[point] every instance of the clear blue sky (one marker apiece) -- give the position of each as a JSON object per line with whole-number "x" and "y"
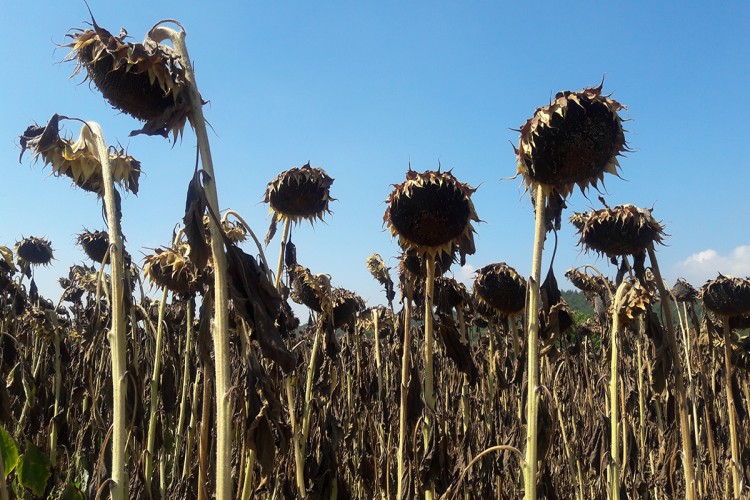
{"x": 361, "y": 89}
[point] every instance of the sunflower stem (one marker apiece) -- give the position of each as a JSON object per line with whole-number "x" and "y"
{"x": 687, "y": 448}
{"x": 735, "y": 464}
{"x": 299, "y": 456}
{"x": 429, "y": 392}
{"x": 532, "y": 401}
{"x": 378, "y": 366}
{"x": 308, "y": 391}
{"x": 119, "y": 490}
{"x": 280, "y": 266}
{"x": 185, "y": 387}
{"x": 58, "y": 387}
{"x": 154, "y": 394}
{"x": 404, "y": 392}
{"x": 221, "y": 302}
{"x": 614, "y": 465}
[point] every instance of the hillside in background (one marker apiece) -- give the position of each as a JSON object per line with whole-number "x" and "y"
{"x": 578, "y": 302}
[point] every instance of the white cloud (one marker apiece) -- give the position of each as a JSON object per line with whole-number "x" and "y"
{"x": 465, "y": 275}
{"x": 707, "y": 264}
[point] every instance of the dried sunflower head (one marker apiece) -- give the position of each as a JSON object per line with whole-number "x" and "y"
{"x": 300, "y": 193}
{"x": 385, "y": 320}
{"x": 309, "y": 289}
{"x": 590, "y": 284}
{"x": 500, "y": 287}
{"x": 623, "y": 230}
{"x": 234, "y": 230}
{"x": 412, "y": 265}
{"x": 431, "y": 213}
{"x": 380, "y": 272}
{"x": 171, "y": 269}
{"x": 145, "y": 80}
{"x": 6, "y": 260}
{"x": 684, "y": 291}
{"x": 346, "y": 305}
{"x": 85, "y": 277}
{"x": 449, "y": 294}
{"x": 727, "y": 296}
{"x": 34, "y": 251}
{"x": 633, "y": 299}
{"x": 76, "y": 159}
{"x": 572, "y": 141}
{"x": 485, "y": 313}
{"x": 94, "y": 243}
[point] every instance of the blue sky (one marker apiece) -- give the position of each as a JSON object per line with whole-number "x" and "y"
{"x": 362, "y": 89}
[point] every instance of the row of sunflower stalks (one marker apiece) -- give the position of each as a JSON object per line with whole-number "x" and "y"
{"x": 354, "y": 417}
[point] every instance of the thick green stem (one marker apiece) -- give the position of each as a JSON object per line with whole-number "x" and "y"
{"x": 532, "y": 376}
{"x": 404, "y": 392}
{"x": 119, "y": 490}
{"x": 154, "y": 394}
{"x": 221, "y": 302}
{"x": 735, "y": 466}
{"x": 687, "y": 448}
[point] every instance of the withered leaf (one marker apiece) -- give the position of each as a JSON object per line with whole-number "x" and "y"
{"x": 195, "y": 208}
{"x": 271, "y": 231}
{"x": 262, "y": 443}
{"x": 458, "y": 352}
{"x": 259, "y": 304}
{"x": 40, "y": 138}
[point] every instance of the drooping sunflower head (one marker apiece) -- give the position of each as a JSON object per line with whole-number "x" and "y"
{"x": 431, "y": 213}
{"x": 94, "y": 243}
{"x": 500, "y": 287}
{"x": 145, "y": 80}
{"x": 634, "y": 299}
{"x": 365, "y": 320}
{"x": 482, "y": 313}
{"x": 412, "y": 264}
{"x": 170, "y": 268}
{"x": 300, "y": 193}
{"x": 572, "y": 141}
{"x": 34, "y": 251}
{"x": 309, "y": 289}
{"x": 234, "y": 230}
{"x": 346, "y": 305}
{"x": 585, "y": 282}
{"x": 449, "y": 294}
{"x": 76, "y": 159}
{"x": 727, "y": 296}
{"x": 380, "y": 272}
{"x": 85, "y": 278}
{"x": 623, "y": 230}
{"x": 684, "y": 291}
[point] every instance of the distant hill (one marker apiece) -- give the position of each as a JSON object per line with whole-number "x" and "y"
{"x": 578, "y": 302}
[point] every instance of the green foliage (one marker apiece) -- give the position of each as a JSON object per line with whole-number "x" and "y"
{"x": 578, "y": 302}
{"x": 34, "y": 470}
{"x": 71, "y": 493}
{"x": 8, "y": 451}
